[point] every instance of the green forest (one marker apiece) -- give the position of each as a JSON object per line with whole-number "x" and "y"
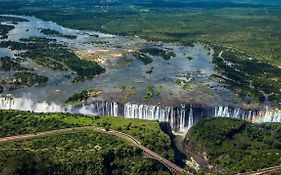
{"x": 252, "y": 27}
{"x": 84, "y": 152}
{"x": 62, "y": 153}
{"x": 234, "y": 146}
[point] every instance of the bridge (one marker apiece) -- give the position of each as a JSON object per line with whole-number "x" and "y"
{"x": 151, "y": 154}
{"x": 147, "y": 152}
{"x": 270, "y": 170}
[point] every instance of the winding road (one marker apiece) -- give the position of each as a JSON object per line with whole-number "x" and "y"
{"x": 149, "y": 153}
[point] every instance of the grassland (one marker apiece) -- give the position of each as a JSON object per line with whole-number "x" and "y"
{"x": 148, "y": 132}
{"x": 234, "y": 146}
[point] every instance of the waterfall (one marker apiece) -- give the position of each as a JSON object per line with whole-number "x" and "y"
{"x": 190, "y": 118}
{"x": 238, "y": 113}
{"x": 97, "y": 109}
{"x": 180, "y": 118}
{"x": 270, "y": 115}
{"x": 28, "y": 105}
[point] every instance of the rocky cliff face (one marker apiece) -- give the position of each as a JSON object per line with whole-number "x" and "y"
{"x": 181, "y": 118}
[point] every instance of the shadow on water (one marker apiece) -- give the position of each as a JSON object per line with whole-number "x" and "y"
{"x": 179, "y": 158}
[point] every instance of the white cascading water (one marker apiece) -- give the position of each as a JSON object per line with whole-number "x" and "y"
{"x": 97, "y": 109}
{"x": 239, "y": 113}
{"x": 182, "y": 118}
{"x": 270, "y": 115}
{"x": 177, "y": 117}
{"x": 190, "y": 118}
{"x": 28, "y": 105}
{"x": 148, "y": 112}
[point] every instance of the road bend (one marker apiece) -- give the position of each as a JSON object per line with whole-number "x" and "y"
{"x": 170, "y": 165}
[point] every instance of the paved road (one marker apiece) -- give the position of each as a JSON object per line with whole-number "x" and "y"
{"x": 147, "y": 151}
{"x": 269, "y": 170}
{"x": 127, "y": 137}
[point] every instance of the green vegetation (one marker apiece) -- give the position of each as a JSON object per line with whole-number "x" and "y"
{"x": 165, "y": 54}
{"x": 183, "y": 84}
{"x": 83, "y": 152}
{"x": 189, "y": 58}
{"x": 250, "y": 27}
{"x": 147, "y": 132}
{"x": 25, "y": 79}
{"x": 123, "y": 88}
{"x": 12, "y": 20}
{"x": 153, "y": 91}
{"x": 149, "y": 71}
{"x": 83, "y": 96}
{"x": 128, "y": 92}
{"x": 56, "y": 56}
{"x": 100, "y": 43}
{"x": 8, "y": 64}
{"x": 143, "y": 58}
{"x": 187, "y": 43}
{"x": 5, "y": 29}
{"x": 56, "y": 33}
{"x": 236, "y": 146}
{"x": 247, "y": 76}
{"x": 158, "y": 90}
{"x": 15, "y": 123}
{"x": 149, "y": 92}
